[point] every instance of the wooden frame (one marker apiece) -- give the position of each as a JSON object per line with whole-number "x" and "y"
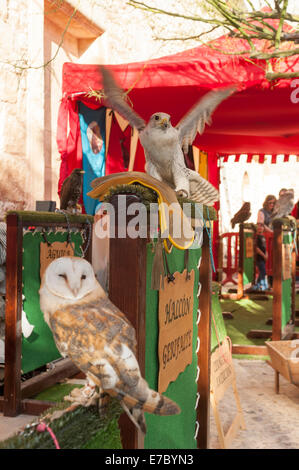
{"x": 127, "y": 287}
{"x": 241, "y": 292}
{"x": 16, "y": 393}
{"x": 222, "y": 378}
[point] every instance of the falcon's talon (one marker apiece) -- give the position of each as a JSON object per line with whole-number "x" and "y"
{"x": 182, "y": 193}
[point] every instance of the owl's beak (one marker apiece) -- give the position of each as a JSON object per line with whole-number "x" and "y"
{"x": 75, "y": 291}
{"x": 82, "y": 171}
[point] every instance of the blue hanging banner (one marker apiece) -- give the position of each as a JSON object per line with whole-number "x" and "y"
{"x": 93, "y": 136}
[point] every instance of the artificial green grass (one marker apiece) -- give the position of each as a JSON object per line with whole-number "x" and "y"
{"x": 82, "y": 428}
{"x": 249, "y": 314}
{"x": 56, "y": 393}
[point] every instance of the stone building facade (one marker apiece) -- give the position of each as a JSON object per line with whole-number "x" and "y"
{"x": 36, "y": 38}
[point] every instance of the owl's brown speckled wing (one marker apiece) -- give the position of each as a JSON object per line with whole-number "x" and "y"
{"x": 83, "y": 331}
{"x": 99, "y": 339}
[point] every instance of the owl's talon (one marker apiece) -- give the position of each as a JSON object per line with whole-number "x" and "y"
{"x": 85, "y": 396}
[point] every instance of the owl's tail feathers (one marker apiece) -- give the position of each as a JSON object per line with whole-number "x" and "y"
{"x": 201, "y": 190}
{"x": 233, "y": 222}
{"x": 154, "y": 403}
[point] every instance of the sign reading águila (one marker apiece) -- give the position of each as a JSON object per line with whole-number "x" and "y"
{"x": 51, "y": 252}
{"x": 175, "y": 328}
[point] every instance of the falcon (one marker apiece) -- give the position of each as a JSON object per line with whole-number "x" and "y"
{"x": 71, "y": 191}
{"x": 242, "y": 215}
{"x": 164, "y": 145}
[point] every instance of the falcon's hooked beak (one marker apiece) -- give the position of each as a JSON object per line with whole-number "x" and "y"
{"x": 164, "y": 123}
{"x": 82, "y": 171}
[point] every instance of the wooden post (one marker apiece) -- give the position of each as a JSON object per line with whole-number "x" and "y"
{"x": 241, "y": 262}
{"x": 204, "y": 353}
{"x": 277, "y": 282}
{"x": 293, "y": 304}
{"x": 127, "y": 287}
{"x": 13, "y": 334}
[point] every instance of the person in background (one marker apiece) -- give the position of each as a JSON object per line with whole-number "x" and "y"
{"x": 264, "y": 214}
{"x": 261, "y": 257}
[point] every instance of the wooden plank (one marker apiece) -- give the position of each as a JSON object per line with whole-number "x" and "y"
{"x": 251, "y": 349}
{"x": 35, "y": 407}
{"x": 259, "y": 334}
{"x": 277, "y": 283}
{"x": 29, "y": 407}
{"x": 127, "y": 287}
{"x": 217, "y": 421}
{"x": 13, "y": 313}
{"x": 204, "y": 353}
{"x": 233, "y": 430}
{"x": 62, "y": 369}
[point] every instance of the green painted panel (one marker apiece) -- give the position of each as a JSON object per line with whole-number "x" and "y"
{"x": 171, "y": 432}
{"x": 248, "y": 271}
{"x": 39, "y": 348}
{"x": 218, "y": 329}
{"x": 286, "y": 307}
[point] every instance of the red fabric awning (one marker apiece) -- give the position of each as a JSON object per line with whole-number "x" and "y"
{"x": 261, "y": 118}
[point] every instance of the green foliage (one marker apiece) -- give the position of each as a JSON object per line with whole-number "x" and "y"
{"x": 82, "y": 428}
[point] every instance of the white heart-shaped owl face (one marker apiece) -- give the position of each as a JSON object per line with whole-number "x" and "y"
{"x": 70, "y": 278}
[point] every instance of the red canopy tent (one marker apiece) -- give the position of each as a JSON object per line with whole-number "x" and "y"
{"x": 259, "y": 119}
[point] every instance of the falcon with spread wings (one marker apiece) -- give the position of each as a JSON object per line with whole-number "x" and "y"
{"x": 164, "y": 144}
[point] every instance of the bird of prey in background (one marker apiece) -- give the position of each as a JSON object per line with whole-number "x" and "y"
{"x": 284, "y": 205}
{"x": 71, "y": 191}
{"x": 164, "y": 144}
{"x": 242, "y": 215}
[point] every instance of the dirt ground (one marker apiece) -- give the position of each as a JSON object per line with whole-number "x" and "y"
{"x": 272, "y": 421}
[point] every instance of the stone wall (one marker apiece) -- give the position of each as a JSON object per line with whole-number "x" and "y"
{"x": 13, "y": 84}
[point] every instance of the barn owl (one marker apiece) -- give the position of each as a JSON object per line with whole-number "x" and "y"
{"x": 163, "y": 143}
{"x": 89, "y": 329}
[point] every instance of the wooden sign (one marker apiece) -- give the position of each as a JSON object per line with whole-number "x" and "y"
{"x": 286, "y": 261}
{"x": 222, "y": 372}
{"x": 175, "y": 328}
{"x": 249, "y": 247}
{"x": 222, "y": 377}
{"x": 53, "y": 251}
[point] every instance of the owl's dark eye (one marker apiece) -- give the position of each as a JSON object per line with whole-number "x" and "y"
{"x": 156, "y": 117}
{"x": 62, "y": 275}
{"x": 83, "y": 276}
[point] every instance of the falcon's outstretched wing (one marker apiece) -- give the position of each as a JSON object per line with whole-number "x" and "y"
{"x": 200, "y": 115}
{"x": 117, "y": 102}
